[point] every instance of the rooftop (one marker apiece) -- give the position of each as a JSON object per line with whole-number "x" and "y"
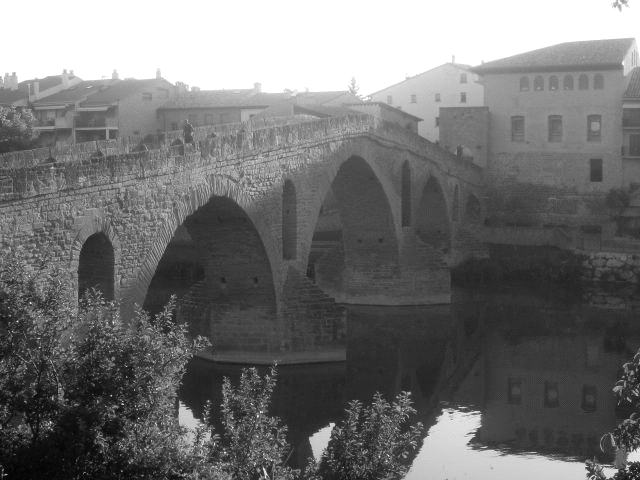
{"x": 121, "y": 89}
{"x": 460, "y": 66}
{"x": 584, "y": 55}
{"x": 74, "y": 94}
{"x": 633, "y": 88}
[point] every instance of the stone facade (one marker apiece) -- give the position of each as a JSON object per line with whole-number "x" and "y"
{"x": 218, "y": 205}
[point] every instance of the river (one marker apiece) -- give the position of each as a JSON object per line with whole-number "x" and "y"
{"x": 509, "y": 382}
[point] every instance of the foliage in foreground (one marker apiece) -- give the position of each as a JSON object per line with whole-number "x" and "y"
{"x": 626, "y": 436}
{"x": 85, "y": 395}
{"x": 16, "y": 129}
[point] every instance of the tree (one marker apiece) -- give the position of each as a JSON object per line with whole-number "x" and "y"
{"x": 353, "y": 86}
{"x": 620, "y": 3}
{"x": 16, "y": 129}
{"x": 626, "y": 436}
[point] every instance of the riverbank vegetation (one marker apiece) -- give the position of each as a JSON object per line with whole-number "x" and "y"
{"x": 85, "y": 394}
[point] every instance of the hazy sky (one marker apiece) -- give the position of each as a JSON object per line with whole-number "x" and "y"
{"x": 289, "y": 44}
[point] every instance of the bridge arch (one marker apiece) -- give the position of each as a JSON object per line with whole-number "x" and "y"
{"x": 406, "y": 194}
{"x": 473, "y": 209}
{"x": 216, "y": 254}
{"x": 289, "y": 221}
{"x": 432, "y": 216}
{"x": 455, "y": 204}
{"x": 95, "y": 258}
{"x": 354, "y": 240}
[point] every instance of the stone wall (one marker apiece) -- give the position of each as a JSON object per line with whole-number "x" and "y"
{"x": 612, "y": 267}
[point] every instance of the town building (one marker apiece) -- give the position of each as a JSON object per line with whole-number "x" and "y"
{"x": 556, "y": 116}
{"x": 448, "y": 85}
{"x": 124, "y": 108}
{"x": 55, "y": 114}
{"x": 20, "y": 94}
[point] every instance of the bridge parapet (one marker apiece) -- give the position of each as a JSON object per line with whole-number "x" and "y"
{"x": 87, "y": 165}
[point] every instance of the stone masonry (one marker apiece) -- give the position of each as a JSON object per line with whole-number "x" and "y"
{"x": 223, "y": 198}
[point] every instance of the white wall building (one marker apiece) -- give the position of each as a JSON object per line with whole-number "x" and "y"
{"x": 449, "y": 85}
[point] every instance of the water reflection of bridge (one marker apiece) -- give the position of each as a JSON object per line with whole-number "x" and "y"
{"x": 539, "y": 368}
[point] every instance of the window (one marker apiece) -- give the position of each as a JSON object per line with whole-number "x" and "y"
{"x": 146, "y": 96}
{"x": 538, "y": 83}
{"x": 594, "y": 128}
{"x": 598, "y": 81}
{"x": 595, "y": 169}
{"x": 524, "y": 84}
{"x": 463, "y": 78}
{"x": 551, "y": 394}
{"x": 437, "y": 97}
{"x": 389, "y": 99}
{"x": 414, "y": 98}
{"x": 437, "y": 121}
{"x": 555, "y": 128}
{"x": 514, "y": 391}
{"x": 634, "y": 145}
{"x": 583, "y": 82}
{"x": 567, "y": 83}
{"x": 517, "y": 129}
{"x": 589, "y": 395}
{"x": 553, "y": 82}
{"x": 463, "y": 97}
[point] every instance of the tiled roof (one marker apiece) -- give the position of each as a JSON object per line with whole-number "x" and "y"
{"x": 75, "y": 93}
{"x": 7, "y": 96}
{"x": 460, "y": 66}
{"x": 119, "y": 90}
{"x": 224, "y": 98}
{"x": 585, "y": 55}
{"x": 633, "y": 88}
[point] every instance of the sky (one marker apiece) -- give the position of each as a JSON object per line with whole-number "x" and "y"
{"x": 290, "y": 44}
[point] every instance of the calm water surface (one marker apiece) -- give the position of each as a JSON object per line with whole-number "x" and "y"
{"x": 509, "y": 383}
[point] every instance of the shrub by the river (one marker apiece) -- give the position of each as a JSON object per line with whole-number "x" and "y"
{"x": 626, "y": 436}
{"x": 86, "y": 395}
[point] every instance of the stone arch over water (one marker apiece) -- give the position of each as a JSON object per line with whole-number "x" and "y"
{"x": 432, "y": 216}
{"x": 217, "y": 264}
{"x": 354, "y": 244}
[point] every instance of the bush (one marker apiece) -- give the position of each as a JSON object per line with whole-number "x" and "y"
{"x": 626, "y": 436}
{"x": 86, "y": 395}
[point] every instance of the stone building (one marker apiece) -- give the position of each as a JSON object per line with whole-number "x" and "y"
{"x": 556, "y": 115}
{"x": 449, "y": 85}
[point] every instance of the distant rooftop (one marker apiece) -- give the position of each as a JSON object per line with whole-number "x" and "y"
{"x": 119, "y": 90}
{"x": 584, "y": 55}
{"x": 460, "y": 66}
{"x": 633, "y": 89}
{"x": 74, "y": 94}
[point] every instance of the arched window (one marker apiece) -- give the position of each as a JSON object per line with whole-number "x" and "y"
{"x": 553, "y": 82}
{"x": 524, "y": 84}
{"x": 96, "y": 266}
{"x": 289, "y": 221}
{"x": 583, "y": 82}
{"x": 598, "y": 81}
{"x": 406, "y": 194}
{"x": 538, "y": 83}
{"x": 455, "y": 207}
{"x": 567, "y": 83}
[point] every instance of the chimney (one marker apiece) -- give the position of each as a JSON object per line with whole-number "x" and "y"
{"x": 1, "y": 83}
{"x": 114, "y": 75}
{"x": 195, "y": 89}
{"x": 36, "y": 89}
{"x": 257, "y": 87}
{"x": 71, "y": 73}
{"x": 65, "y": 78}
{"x": 453, "y": 59}
{"x": 14, "y": 81}
{"x": 158, "y": 74}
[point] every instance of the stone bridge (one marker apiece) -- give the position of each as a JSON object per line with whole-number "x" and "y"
{"x": 262, "y": 233}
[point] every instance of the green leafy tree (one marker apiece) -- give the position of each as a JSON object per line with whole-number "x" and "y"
{"x": 353, "y": 86}
{"x": 372, "y": 443}
{"x": 83, "y": 393}
{"x": 626, "y": 436}
{"x": 16, "y": 129}
{"x": 620, "y": 3}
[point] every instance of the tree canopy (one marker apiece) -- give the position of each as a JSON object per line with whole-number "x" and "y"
{"x": 16, "y": 129}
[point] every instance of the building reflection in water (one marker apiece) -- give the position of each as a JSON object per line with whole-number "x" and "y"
{"x": 537, "y": 368}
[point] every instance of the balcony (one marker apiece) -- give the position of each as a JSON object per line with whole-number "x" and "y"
{"x": 53, "y": 123}
{"x": 96, "y": 122}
